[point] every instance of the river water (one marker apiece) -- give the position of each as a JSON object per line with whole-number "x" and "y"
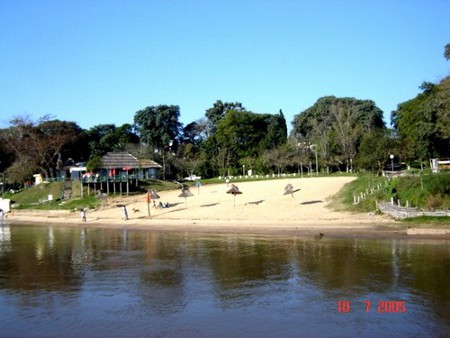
{"x": 68, "y": 282}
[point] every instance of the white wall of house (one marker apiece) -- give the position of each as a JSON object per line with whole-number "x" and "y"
{"x": 5, "y": 204}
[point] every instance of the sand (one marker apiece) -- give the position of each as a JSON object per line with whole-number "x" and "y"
{"x": 260, "y": 209}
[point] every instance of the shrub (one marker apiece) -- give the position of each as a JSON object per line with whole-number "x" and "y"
{"x": 433, "y": 202}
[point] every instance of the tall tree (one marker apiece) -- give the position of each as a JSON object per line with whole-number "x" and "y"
{"x": 276, "y": 130}
{"x": 195, "y": 132}
{"x": 443, "y": 114}
{"x": 423, "y": 123}
{"x": 218, "y": 111}
{"x": 336, "y": 126}
{"x": 444, "y": 99}
{"x": 158, "y": 125}
{"x": 321, "y": 141}
{"x": 278, "y": 158}
{"x": 375, "y": 149}
{"x": 247, "y": 134}
{"x": 39, "y": 143}
{"x": 189, "y": 159}
{"x": 347, "y": 130}
{"x": 107, "y": 137}
{"x": 299, "y": 152}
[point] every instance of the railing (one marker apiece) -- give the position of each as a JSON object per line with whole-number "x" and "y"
{"x": 399, "y": 212}
{"x": 97, "y": 179}
{"x": 104, "y": 179}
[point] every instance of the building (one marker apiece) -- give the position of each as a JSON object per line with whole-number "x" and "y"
{"x": 439, "y": 164}
{"x": 123, "y": 164}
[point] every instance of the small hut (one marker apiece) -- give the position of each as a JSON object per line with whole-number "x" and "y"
{"x": 123, "y": 164}
{"x": 119, "y": 168}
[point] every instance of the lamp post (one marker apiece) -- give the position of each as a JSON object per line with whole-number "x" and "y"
{"x": 313, "y": 148}
{"x": 317, "y": 163}
{"x": 243, "y": 170}
{"x": 163, "y": 150}
{"x": 3, "y": 175}
{"x": 163, "y": 162}
{"x": 3, "y": 182}
{"x": 300, "y": 147}
{"x": 392, "y": 162}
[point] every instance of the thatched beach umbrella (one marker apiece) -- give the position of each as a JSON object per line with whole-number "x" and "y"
{"x": 289, "y": 189}
{"x": 154, "y": 195}
{"x": 185, "y": 193}
{"x": 234, "y": 191}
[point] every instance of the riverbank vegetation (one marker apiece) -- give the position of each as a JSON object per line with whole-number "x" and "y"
{"x": 428, "y": 191}
{"x": 49, "y": 196}
{"x": 334, "y": 135}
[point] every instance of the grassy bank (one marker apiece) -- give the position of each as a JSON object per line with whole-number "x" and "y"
{"x": 428, "y": 192}
{"x": 37, "y": 197}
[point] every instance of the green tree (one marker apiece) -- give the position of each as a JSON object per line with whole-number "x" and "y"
{"x": 158, "y": 125}
{"x": 423, "y": 122}
{"x": 189, "y": 159}
{"x": 278, "y": 158}
{"x": 218, "y": 111}
{"x": 20, "y": 170}
{"x": 375, "y": 149}
{"x": 94, "y": 163}
{"x": 39, "y": 144}
{"x": 6, "y": 153}
{"x": 299, "y": 152}
{"x": 443, "y": 113}
{"x": 276, "y": 132}
{"x": 97, "y": 136}
{"x": 104, "y": 138}
{"x": 322, "y": 141}
{"x": 218, "y": 159}
{"x": 195, "y": 132}
{"x": 246, "y": 134}
{"x": 336, "y": 126}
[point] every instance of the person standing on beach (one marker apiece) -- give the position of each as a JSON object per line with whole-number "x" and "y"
{"x": 1, "y": 215}
{"x": 124, "y": 213}
{"x": 83, "y": 215}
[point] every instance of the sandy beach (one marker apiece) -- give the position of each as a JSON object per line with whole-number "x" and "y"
{"x": 262, "y": 208}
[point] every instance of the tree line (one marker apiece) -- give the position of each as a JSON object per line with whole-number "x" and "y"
{"x": 344, "y": 134}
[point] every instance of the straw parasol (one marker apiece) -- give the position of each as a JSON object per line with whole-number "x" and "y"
{"x": 234, "y": 191}
{"x": 289, "y": 189}
{"x": 185, "y": 193}
{"x": 154, "y": 195}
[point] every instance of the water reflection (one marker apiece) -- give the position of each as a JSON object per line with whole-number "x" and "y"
{"x": 5, "y": 239}
{"x": 172, "y": 283}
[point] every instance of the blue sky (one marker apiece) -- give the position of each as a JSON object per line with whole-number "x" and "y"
{"x": 97, "y": 62}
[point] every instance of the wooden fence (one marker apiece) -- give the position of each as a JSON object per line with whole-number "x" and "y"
{"x": 399, "y": 212}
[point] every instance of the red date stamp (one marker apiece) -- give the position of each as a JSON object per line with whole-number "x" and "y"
{"x": 382, "y": 306}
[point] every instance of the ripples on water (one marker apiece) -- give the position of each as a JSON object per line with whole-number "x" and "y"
{"x": 119, "y": 283}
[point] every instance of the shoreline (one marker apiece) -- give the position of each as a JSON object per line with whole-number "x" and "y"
{"x": 261, "y": 209}
{"x": 388, "y": 230}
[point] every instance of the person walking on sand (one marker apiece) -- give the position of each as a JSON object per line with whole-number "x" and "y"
{"x": 124, "y": 213}
{"x": 83, "y": 215}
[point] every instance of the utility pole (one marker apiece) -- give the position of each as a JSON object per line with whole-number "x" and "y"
{"x": 3, "y": 182}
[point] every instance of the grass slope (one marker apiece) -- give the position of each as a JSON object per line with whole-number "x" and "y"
{"x": 428, "y": 192}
